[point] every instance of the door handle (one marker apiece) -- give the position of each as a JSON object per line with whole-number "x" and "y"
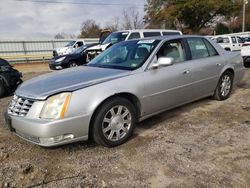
{"x": 218, "y": 64}
{"x": 186, "y": 72}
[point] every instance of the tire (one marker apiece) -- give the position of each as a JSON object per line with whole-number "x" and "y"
{"x": 73, "y": 64}
{"x": 224, "y": 87}
{"x": 113, "y": 122}
{"x": 2, "y": 89}
{"x": 246, "y": 62}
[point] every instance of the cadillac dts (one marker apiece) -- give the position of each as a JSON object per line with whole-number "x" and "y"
{"x": 127, "y": 83}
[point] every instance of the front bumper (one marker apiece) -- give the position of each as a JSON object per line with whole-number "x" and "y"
{"x": 58, "y": 65}
{"x": 55, "y": 67}
{"x": 50, "y": 133}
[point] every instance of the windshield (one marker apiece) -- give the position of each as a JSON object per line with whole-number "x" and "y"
{"x": 71, "y": 43}
{"x": 128, "y": 55}
{"x": 115, "y": 37}
{"x": 80, "y": 49}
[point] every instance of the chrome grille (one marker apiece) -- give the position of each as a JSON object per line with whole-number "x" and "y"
{"x": 19, "y": 106}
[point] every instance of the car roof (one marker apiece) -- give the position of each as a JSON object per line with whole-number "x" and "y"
{"x": 148, "y": 30}
{"x": 169, "y": 37}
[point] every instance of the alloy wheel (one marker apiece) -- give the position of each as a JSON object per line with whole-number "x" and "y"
{"x": 116, "y": 123}
{"x": 226, "y": 85}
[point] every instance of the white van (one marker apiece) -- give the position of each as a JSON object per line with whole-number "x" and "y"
{"x": 124, "y": 35}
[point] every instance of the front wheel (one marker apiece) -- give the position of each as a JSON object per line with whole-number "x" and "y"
{"x": 114, "y": 122}
{"x": 224, "y": 87}
{"x": 73, "y": 64}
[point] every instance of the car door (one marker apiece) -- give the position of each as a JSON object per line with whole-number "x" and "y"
{"x": 166, "y": 87}
{"x": 240, "y": 42}
{"x": 207, "y": 65}
{"x": 235, "y": 45}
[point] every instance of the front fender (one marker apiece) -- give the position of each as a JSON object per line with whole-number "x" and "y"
{"x": 85, "y": 101}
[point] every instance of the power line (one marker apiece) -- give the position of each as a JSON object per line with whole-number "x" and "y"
{"x": 81, "y": 3}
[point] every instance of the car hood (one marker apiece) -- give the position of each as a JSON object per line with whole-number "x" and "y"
{"x": 71, "y": 79}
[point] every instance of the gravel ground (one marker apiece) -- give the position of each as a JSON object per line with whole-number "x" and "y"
{"x": 203, "y": 144}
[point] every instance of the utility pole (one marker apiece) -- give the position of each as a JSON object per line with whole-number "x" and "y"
{"x": 244, "y": 15}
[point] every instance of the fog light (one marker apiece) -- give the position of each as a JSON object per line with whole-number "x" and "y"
{"x": 56, "y": 139}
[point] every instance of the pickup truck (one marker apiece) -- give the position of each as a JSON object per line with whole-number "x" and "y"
{"x": 229, "y": 43}
{"x": 118, "y": 36}
{"x": 68, "y": 48}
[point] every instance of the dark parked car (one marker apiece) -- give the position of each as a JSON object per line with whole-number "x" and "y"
{"x": 9, "y": 78}
{"x": 78, "y": 57}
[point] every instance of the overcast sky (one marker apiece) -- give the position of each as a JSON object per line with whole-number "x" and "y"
{"x": 34, "y": 19}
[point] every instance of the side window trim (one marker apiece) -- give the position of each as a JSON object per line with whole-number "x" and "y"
{"x": 207, "y": 42}
{"x": 187, "y": 49}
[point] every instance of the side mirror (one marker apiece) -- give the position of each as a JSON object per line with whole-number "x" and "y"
{"x": 163, "y": 61}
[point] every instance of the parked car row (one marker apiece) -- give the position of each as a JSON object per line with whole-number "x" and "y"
{"x": 130, "y": 81}
{"x": 86, "y": 53}
{"x": 235, "y": 43}
{"x": 75, "y": 44}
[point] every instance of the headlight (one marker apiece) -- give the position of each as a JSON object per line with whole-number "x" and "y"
{"x": 56, "y": 106}
{"x": 60, "y": 59}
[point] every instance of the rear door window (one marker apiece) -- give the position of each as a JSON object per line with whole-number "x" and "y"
{"x": 198, "y": 48}
{"x": 234, "y": 40}
{"x": 240, "y": 40}
{"x": 222, "y": 40}
{"x": 170, "y": 33}
{"x": 151, "y": 34}
{"x": 135, "y": 35}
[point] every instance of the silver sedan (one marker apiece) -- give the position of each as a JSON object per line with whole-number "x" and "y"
{"x": 129, "y": 82}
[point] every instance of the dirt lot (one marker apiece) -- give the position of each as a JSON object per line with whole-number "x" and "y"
{"x": 203, "y": 144}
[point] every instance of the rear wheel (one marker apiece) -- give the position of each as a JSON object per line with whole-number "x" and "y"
{"x": 114, "y": 122}
{"x": 246, "y": 62}
{"x": 73, "y": 64}
{"x": 2, "y": 89}
{"x": 224, "y": 87}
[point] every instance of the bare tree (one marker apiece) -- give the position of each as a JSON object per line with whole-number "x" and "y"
{"x": 132, "y": 19}
{"x": 113, "y": 25}
{"x": 64, "y": 36}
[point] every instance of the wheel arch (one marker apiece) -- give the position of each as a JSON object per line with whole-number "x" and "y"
{"x": 228, "y": 69}
{"x": 129, "y": 96}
